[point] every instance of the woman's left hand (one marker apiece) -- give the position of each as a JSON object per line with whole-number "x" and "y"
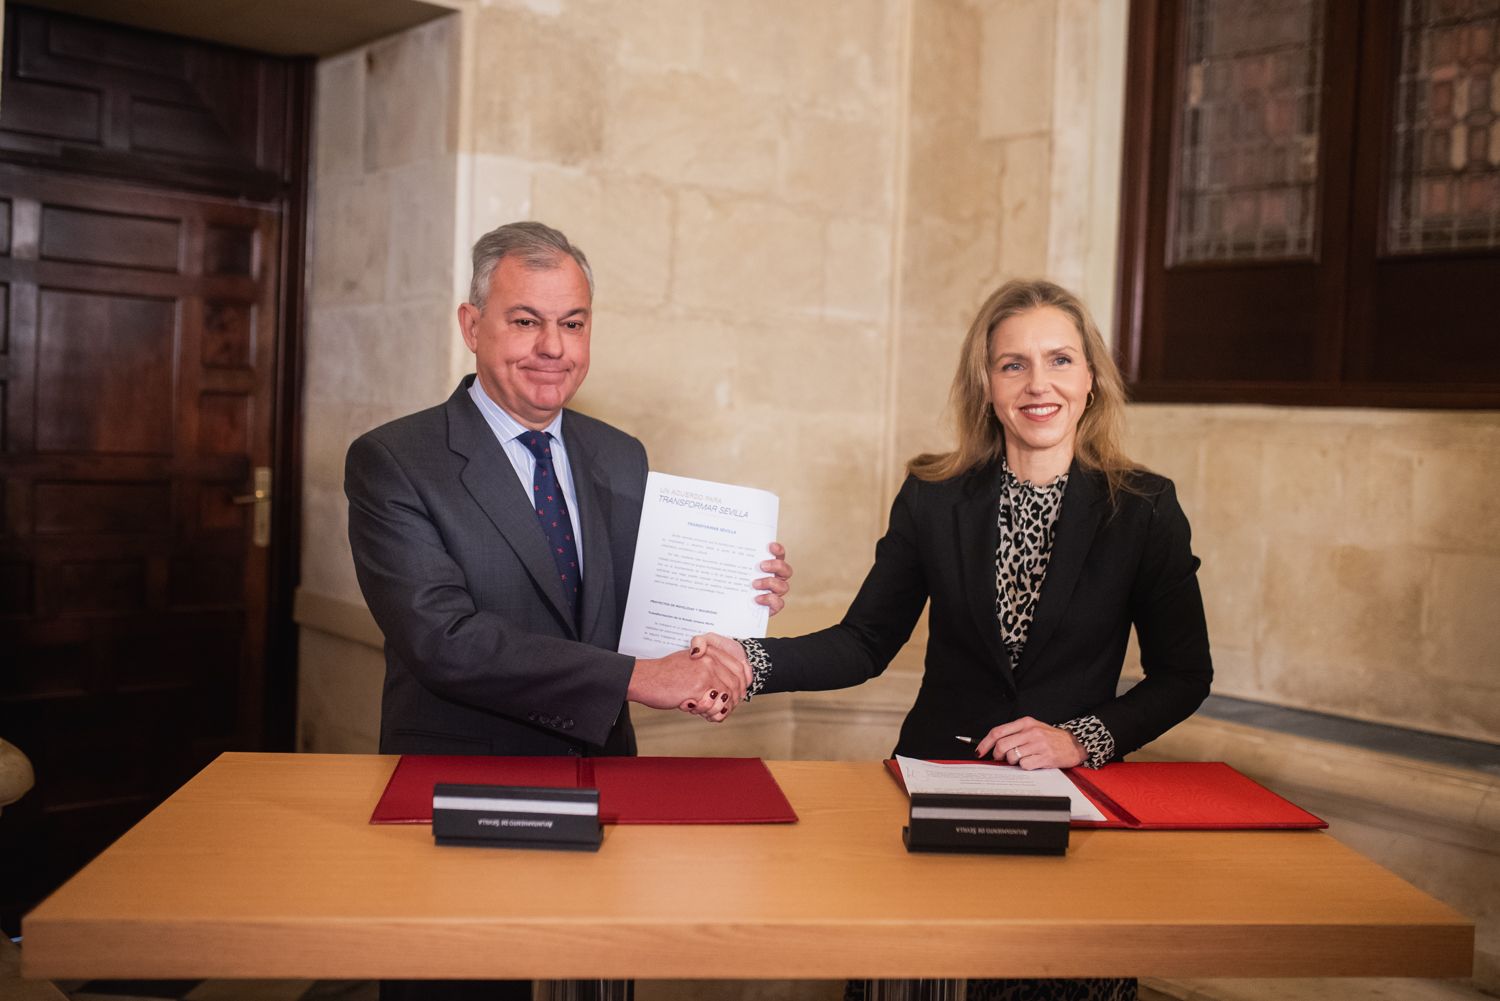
{"x": 1031, "y": 743}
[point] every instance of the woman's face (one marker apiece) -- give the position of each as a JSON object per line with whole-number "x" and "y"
{"x": 1039, "y": 385}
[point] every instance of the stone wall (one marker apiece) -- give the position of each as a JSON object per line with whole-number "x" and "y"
{"x": 793, "y": 213}
{"x": 730, "y": 169}
{"x": 380, "y": 329}
{"x": 1351, "y": 558}
{"x": 733, "y": 172}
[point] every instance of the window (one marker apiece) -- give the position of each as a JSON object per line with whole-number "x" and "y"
{"x": 1312, "y": 202}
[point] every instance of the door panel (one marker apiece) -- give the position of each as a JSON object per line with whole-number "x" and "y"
{"x": 135, "y": 600}
{"x": 102, "y": 97}
{"x": 139, "y": 374}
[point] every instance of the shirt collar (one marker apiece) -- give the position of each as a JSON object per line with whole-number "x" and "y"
{"x": 506, "y": 427}
{"x": 1014, "y": 484}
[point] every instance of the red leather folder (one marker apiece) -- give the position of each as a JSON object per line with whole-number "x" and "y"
{"x": 631, "y": 790}
{"x": 1186, "y": 796}
{"x": 1179, "y": 796}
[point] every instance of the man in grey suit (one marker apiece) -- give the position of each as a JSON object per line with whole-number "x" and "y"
{"x": 494, "y": 534}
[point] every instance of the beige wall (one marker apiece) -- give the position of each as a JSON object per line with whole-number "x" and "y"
{"x": 380, "y": 330}
{"x": 793, "y": 211}
{"x": 730, "y": 168}
{"x": 733, "y": 172}
{"x": 1351, "y": 558}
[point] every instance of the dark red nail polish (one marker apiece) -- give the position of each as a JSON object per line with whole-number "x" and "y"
{"x": 713, "y": 695}
{"x": 692, "y": 705}
{"x": 725, "y": 696}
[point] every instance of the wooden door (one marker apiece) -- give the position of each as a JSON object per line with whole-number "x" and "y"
{"x": 143, "y": 363}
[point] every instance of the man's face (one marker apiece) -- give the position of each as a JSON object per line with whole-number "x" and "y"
{"x": 531, "y": 342}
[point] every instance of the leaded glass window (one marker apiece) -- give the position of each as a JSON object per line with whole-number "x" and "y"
{"x": 1445, "y": 188}
{"x": 1245, "y": 186}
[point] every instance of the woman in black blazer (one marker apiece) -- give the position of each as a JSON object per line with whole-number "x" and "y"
{"x": 1038, "y": 545}
{"x": 1030, "y": 616}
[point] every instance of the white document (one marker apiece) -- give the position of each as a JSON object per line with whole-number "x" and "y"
{"x": 995, "y": 780}
{"x": 700, "y": 546}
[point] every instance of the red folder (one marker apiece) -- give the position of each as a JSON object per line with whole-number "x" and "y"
{"x": 631, "y": 790}
{"x": 1186, "y": 796}
{"x": 1179, "y": 796}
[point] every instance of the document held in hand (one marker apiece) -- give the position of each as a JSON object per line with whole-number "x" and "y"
{"x": 699, "y": 548}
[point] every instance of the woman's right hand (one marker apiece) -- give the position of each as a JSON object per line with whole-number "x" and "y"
{"x": 1032, "y": 744}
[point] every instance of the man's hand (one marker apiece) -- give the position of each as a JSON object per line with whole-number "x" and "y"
{"x": 777, "y": 585}
{"x": 1031, "y": 744}
{"x": 710, "y": 685}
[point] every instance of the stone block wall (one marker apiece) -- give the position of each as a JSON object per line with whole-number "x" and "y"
{"x": 380, "y": 329}
{"x": 730, "y": 169}
{"x": 1351, "y": 558}
{"x": 793, "y": 212}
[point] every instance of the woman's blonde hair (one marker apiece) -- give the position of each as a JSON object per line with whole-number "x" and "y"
{"x": 981, "y": 436}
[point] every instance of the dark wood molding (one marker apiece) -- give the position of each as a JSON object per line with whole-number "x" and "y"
{"x": 280, "y": 718}
{"x": 1140, "y": 76}
{"x": 1292, "y": 394}
{"x": 257, "y": 186}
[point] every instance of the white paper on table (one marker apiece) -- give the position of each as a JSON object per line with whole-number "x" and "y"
{"x": 699, "y": 548}
{"x": 995, "y": 780}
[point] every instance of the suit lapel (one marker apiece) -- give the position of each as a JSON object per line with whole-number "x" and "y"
{"x": 593, "y": 496}
{"x": 491, "y": 481}
{"x": 1083, "y": 510}
{"x": 978, "y": 535}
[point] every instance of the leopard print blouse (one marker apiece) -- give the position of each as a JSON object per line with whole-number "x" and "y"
{"x": 1028, "y": 513}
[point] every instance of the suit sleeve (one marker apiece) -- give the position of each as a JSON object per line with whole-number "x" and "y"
{"x": 475, "y": 657}
{"x": 1167, "y": 609}
{"x": 878, "y": 623}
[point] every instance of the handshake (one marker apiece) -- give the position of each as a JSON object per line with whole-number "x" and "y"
{"x": 711, "y": 677}
{"x": 708, "y": 679}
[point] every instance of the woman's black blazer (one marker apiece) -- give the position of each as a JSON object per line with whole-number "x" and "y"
{"x": 1113, "y": 565}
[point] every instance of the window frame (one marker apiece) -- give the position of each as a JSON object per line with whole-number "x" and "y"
{"x": 1355, "y": 151}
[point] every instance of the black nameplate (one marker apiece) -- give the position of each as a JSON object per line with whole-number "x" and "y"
{"x": 1019, "y": 825}
{"x": 516, "y": 817}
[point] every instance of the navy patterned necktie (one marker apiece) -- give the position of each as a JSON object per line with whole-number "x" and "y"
{"x": 552, "y": 511}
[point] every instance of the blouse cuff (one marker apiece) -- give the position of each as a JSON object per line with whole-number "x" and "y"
{"x": 1097, "y": 742}
{"x": 760, "y": 667}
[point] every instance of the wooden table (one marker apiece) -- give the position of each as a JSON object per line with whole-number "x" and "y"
{"x": 264, "y": 866}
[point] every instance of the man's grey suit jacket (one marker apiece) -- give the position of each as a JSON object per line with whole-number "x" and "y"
{"x": 481, "y": 654}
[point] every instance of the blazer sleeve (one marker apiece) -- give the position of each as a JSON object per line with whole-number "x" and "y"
{"x": 1167, "y": 610}
{"x": 878, "y": 622}
{"x": 476, "y": 657}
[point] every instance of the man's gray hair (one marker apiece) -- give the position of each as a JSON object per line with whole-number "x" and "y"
{"x": 537, "y": 245}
